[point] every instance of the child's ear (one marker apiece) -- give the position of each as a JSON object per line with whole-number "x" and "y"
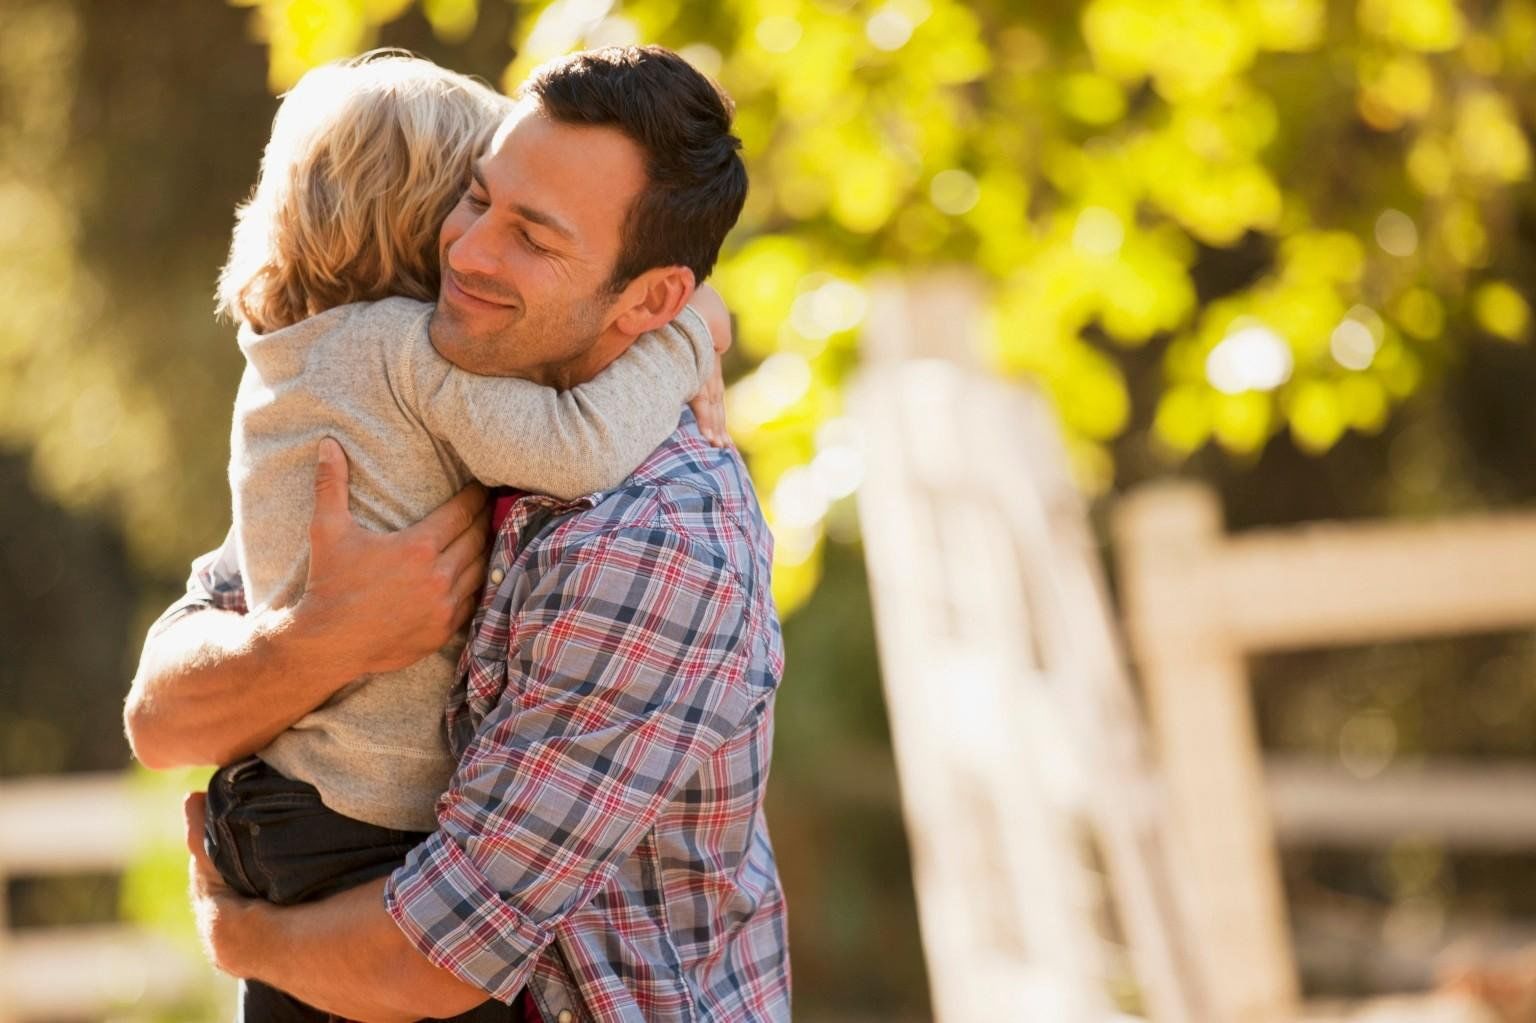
{"x": 654, "y": 299}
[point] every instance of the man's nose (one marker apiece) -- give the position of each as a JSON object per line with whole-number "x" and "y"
{"x": 475, "y": 251}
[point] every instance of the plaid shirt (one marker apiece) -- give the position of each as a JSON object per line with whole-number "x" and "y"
{"x": 602, "y": 842}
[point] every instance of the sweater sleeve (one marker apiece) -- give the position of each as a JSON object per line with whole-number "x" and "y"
{"x": 512, "y": 432}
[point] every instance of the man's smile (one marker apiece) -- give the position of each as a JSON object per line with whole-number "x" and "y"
{"x": 457, "y": 294}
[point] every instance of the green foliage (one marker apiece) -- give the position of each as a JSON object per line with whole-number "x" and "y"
{"x": 101, "y": 381}
{"x": 1106, "y": 170}
{"x": 1302, "y": 209}
{"x": 49, "y": 352}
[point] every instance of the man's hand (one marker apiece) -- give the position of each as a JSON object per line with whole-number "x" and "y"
{"x": 214, "y": 903}
{"x": 343, "y": 954}
{"x": 381, "y": 601}
{"x": 709, "y": 404}
{"x": 217, "y": 685}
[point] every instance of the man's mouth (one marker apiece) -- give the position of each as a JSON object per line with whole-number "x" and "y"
{"x": 457, "y": 294}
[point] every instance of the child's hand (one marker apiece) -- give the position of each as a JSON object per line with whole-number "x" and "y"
{"x": 709, "y": 404}
{"x": 709, "y": 409}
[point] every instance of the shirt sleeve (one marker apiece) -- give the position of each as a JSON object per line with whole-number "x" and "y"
{"x": 214, "y": 584}
{"x": 512, "y": 432}
{"x": 628, "y": 668}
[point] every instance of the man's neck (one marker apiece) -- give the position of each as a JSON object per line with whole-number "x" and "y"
{"x": 592, "y": 361}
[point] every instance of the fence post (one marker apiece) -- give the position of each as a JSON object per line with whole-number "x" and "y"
{"x": 1017, "y": 736}
{"x": 1168, "y": 538}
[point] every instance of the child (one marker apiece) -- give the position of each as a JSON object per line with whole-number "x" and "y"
{"x": 333, "y": 264}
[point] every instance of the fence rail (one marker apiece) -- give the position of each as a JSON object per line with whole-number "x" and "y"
{"x": 1485, "y": 807}
{"x": 1199, "y": 601}
{"x": 75, "y": 824}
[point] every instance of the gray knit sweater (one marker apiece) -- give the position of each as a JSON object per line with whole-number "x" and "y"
{"x": 415, "y": 429}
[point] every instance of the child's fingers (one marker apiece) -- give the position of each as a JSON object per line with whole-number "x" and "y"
{"x": 713, "y": 424}
{"x": 709, "y": 409}
{"x": 717, "y": 412}
{"x": 704, "y": 412}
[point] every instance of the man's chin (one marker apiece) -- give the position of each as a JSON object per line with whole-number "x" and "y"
{"x": 442, "y": 325}
{"x": 449, "y": 334}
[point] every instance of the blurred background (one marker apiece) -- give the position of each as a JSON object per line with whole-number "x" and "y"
{"x": 1284, "y": 247}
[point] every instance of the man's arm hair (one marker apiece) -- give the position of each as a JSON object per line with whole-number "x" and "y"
{"x": 214, "y": 685}
{"x": 342, "y": 954}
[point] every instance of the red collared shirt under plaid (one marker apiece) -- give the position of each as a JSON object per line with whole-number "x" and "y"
{"x": 603, "y": 842}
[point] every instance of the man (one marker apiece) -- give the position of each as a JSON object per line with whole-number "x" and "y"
{"x": 601, "y": 849}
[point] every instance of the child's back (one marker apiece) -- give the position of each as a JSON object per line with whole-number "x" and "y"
{"x": 415, "y": 430}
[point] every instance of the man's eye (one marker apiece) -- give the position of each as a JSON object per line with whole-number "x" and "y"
{"x": 528, "y": 241}
{"x": 478, "y": 202}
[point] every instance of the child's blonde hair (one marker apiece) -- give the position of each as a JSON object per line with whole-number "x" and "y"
{"x": 367, "y": 157}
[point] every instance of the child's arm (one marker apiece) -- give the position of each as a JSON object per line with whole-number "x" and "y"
{"x": 512, "y": 432}
{"x": 709, "y": 404}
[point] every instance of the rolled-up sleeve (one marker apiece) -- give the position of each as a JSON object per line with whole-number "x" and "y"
{"x": 627, "y": 668}
{"x": 213, "y": 585}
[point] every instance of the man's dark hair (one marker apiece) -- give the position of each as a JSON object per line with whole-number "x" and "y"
{"x": 696, "y": 183}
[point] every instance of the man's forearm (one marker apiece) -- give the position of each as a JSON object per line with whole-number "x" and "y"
{"x": 213, "y": 686}
{"x": 344, "y": 955}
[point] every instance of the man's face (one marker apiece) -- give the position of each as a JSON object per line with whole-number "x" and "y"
{"x": 528, "y": 251}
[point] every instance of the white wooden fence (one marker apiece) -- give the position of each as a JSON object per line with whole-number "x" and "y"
{"x": 75, "y": 824}
{"x": 1020, "y": 743}
{"x": 1198, "y": 602}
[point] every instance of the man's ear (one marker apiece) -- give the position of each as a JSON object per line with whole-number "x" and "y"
{"x": 653, "y": 299}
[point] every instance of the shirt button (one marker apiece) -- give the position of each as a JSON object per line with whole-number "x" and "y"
{"x": 497, "y": 575}
{"x": 565, "y": 1016}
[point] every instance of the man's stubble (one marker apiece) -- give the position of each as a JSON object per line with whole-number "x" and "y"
{"x": 533, "y": 347}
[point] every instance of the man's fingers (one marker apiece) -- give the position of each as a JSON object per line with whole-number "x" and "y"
{"x": 464, "y": 611}
{"x": 330, "y": 480}
{"x": 471, "y": 573}
{"x": 203, "y": 880}
{"x": 467, "y": 588}
{"x": 469, "y": 546}
{"x": 448, "y": 521}
{"x": 194, "y": 813}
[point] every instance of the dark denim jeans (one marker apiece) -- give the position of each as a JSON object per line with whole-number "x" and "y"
{"x": 272, "y": 838}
